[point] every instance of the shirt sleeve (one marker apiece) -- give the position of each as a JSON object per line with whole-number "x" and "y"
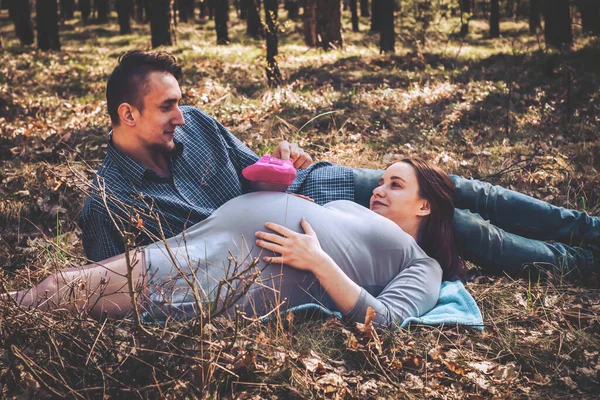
{"x": 101, "y": 239}
{"x": 412, "y": 293}
{"x": 240, "y": 154}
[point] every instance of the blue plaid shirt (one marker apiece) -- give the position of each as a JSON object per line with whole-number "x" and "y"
{"x": 206, "y": 172}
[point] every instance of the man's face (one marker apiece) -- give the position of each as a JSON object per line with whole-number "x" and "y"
{"x": 155, "y": 125}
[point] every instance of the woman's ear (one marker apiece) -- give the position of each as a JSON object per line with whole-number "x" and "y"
{"x": 126, "y": 111}
{"x": 425, "y": 209}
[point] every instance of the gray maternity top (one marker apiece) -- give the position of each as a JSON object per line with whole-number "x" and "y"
{"x": 396, "y": 276}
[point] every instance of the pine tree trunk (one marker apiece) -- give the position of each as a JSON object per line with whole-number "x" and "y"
{"x": 510, "y": 8}
{"x": 47, "y": 24}
{"x": 161, "y": 23}
{"x": 329, "y": 24}
{"x": 364, "y": 8}
{"x": 20, "y": 14}
{"x": 221, "y": 18}
{"x": 124, "y": 12}
{"x": 310, "y": 22}
{"x": 103, "y": 9}
{"x": 494, "y": 18}
{"x": 590, "y": 15}
{"x": 465, "y": 6}
{"x": 292, "y": 8}
{"x": 354, "y": 11}
{"x": 67, "y": 9}
{"x": 557, "y": 23}
{"x": 273, "y": 72}
{"x": 254, "y": 27}
{"x": 375, "y": 15}
{"x": 387, "y": 34}
{"x": 139, "y": 13}
{"x": 534, "y": 15}
{"x": 85, "y": 6}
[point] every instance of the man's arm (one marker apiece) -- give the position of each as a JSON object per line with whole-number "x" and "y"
{"x": 101, "y": 239}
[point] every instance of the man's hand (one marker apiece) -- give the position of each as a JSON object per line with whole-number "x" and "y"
{"x": 287, "y": 151}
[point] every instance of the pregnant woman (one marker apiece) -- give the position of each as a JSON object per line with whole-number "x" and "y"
{"x": 392, "y": 257}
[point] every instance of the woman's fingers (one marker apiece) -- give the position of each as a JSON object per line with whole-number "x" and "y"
{"x": 307, "y": 228}
{"x": 282, "y": 230}
{"x": 270, "y": 246}
{"x": 271, "y": 237}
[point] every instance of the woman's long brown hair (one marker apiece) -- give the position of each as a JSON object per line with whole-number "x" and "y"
{"x": 437, "y": 235}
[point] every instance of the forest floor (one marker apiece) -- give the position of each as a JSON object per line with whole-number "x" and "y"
{"x": 505, "y": 110}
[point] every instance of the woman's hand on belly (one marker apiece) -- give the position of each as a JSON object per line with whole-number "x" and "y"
{"x": 301, "y": 251}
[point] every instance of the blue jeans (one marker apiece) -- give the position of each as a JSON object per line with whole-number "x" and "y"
{"x": 505, "y": 231}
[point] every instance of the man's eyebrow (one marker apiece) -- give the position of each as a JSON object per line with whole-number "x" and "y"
{"x": 171, "y": 101}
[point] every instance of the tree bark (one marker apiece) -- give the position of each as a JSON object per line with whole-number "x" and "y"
{"x": 20, "y": 14}
{"x": 186, "y": 10}
{"x": 47, "y": 24}
{"x": 375, "y": 15}
{"x": 354, "y": 11}
{"x": 67, "y": 9}
{"x": 329, "y": 24}
{"x": 221, "y": 18}
{"x": 534, "y": 15}
{"x": 465, "y": 6}
{"x": 494, "y": 18}
{"x": 254, "y": 27}
{"x": 310, "y": 22}
{"x": 590, "y": 16}
{"x": 292, "y": 8}
{"x": 161, "y": 23}
{"x": 364, "y": 8}
{"x": 124, "y": 12}
{"x": 557, "y": 23}
{"x": 273, "y": 72}
{"x": 85, "y": 6}
{"x": 387, "y": 34}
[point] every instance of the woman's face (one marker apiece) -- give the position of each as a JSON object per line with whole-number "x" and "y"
{"x": 397, "y": 197}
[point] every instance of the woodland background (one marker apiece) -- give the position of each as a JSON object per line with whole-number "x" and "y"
{"x": 502, "y": 90}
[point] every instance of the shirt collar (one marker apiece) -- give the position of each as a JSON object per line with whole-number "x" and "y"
{"x": 131, "y": 169}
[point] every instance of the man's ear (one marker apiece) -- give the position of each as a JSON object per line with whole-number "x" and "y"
{"x": 424, "y": 209}
{"x": 126, "y": 114}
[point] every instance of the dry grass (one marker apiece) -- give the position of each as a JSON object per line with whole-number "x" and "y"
{"x": 506, "y": 109}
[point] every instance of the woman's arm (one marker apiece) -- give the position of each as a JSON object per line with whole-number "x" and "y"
{"x": 413, "y": 292}
{"x": 303, "y": 251}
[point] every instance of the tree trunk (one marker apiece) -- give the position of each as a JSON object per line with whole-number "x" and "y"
{"x": 85, "y": 6}
{"x": 273, "y": 72}
{"x": 329, "y": 24}
{"x": 310, "y": 22}
{"x": 590, "y": 15}
{"x": 161, "y": 23}
{"x": 494, "y": 18}
{"x": 534, "y": 15}
{"x": 292, "y": 8}
{"x": 47, "y": 24}
{"x": 103, "y": 9}
{"x": 124, "y": 12}
{"x": 186, "y": 10}
{"x": 354, "y": 11}
{"x": 67, "y": 9}
{"x": 557, "y": 23}
{"x": 375, "y": 15}
{"x": 254, "y": 27}
{"x": 387, "y": 34}
{"x": 221, "y": 18}
{"x": 510, "y": 8}
{"x": 364, "y": 8}
{"x": 20, "y": 14}
{"x": 465, "y": 6}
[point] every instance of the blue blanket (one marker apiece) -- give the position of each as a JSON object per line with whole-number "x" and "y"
{"x": 455, "y": 306}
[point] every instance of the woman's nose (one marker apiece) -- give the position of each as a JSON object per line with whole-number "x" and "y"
{"x": 378, "y": 191}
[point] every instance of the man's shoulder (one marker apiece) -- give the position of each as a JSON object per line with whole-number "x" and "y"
{"x": 195, "y": 113}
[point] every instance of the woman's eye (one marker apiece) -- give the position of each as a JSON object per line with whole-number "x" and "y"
{"x": 395, "y": 184}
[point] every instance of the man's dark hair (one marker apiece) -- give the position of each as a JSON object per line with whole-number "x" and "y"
{"x": 128, "y": 82}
